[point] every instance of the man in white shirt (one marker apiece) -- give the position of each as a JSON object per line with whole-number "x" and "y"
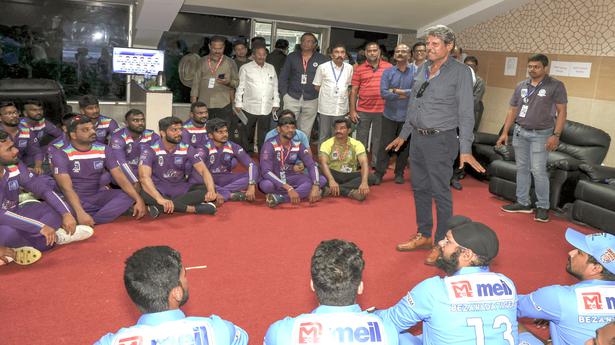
{"x": 332, "y": 80}
{"x": 257, "y": 95}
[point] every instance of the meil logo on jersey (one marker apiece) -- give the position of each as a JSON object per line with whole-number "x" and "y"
{"x": 596, "y": 300}
{"x": 478, "y": 288}
{"x": 314, "y": 333}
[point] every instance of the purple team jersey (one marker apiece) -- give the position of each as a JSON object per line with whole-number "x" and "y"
{"x": 220, "y": 160}
{"x": 277, "y": 161}
{"x": 170, "y": 170}
{"x": 16, "y": 177}
{"x": 27, "y": 144}
{"x": 85, "y": 168}
{"x": 39, "y": 129}
{"x": 193, "y": 135}
{"x": 105, "y": 127}
{"x": 127, "y": 150}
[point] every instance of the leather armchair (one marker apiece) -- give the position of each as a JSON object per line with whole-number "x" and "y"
{"x": 595, "y": 197}
{"x": 485, "y": 152}
{"x": 579, "y": 144}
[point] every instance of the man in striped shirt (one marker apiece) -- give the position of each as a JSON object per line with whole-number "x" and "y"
{"x": 367, "y": 111}
{"x": 35, "y": 224}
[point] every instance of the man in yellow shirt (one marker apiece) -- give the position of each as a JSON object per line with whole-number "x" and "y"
{"x": 340, "y": 156}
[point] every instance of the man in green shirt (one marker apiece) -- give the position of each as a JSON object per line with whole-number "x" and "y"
{"x": 340, "y": 156}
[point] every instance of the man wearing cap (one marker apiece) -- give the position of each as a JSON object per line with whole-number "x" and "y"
{"x": 575, "y": 312}
{"x": 471, "y": 305}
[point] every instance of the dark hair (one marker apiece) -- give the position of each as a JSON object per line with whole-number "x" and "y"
{"x": 240, "y": 43}
{"x": 87, "y": 100}
{"x": 372, "y": 43}
{"x": 217, "y": 38}
{"x": 197, "y": 104}
{"x": 76, "y": 121}
{"x": 34, "y": 102}
{"x": 337, "y": 268}
{"x": 258, "y": 45}
{"x": 338, "y": 45}
{"x": 281, "y": 44}
{"x": 309, "y": 34}
{"x": 286, "y": 120}
{"x": 168, "y": 121}
{"x": 287, "y": 113}
{"x": 149, "y": 276}
{"x": 345, "y": 121}
{"x": 471, "y": 58}
{"x": 543, "y": 59}
{"x": 132, "y": 112}
{"x": 606, "y": 274}
{"x": 216, "y": 124}
{"x": 417, "y": 44}
{"x": 68, "y": 117}
{"x": 260, "y": 39}
{"x": 4, "y": 104}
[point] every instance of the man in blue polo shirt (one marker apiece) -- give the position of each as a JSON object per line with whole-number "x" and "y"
{"x": 337, "y": 269}
{"x": 471, "y": 305}
{"x": 155, "y": 280}
{"x": 575, "y": 312}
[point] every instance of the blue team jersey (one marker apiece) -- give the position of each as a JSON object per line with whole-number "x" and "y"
{"x": 329, "y": 325}
{"x": 474, "y": 306}
{"x": 575, "y": 312}
{"x": 174, "y": 328}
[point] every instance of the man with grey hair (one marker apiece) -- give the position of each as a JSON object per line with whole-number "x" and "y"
{"x": 440, "y": 103}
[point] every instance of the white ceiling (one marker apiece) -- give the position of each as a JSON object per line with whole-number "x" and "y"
{"x": 408, "y": 15}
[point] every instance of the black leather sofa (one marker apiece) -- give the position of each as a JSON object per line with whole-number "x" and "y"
{"x": 579, "y": 144}
{"x": 595, "y": 197}
{"x": 48, "y": 91}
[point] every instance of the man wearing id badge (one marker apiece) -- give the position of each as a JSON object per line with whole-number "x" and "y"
{"x": 339, "y": 158}
{"x": 332, "y": 80}
{"x": 295, "y": 82}
{"x": 538, "y": 113}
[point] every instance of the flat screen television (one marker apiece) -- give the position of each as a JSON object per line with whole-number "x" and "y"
{"x": 137, "y": 61}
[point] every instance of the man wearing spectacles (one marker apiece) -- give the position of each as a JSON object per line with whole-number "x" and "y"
{"x": 471, "y": 305}
{"x": 22, "y": 137}
{"x": 419, "y": 55}
{"x": 440, "y": 103}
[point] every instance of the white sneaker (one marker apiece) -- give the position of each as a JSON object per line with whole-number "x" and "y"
{"x": 27, "y": 197}
{"x": 81, "y": 233}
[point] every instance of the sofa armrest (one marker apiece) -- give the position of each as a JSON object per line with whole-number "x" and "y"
{"x": 569, "y": 164}
{"x": 597, "y": 173}
{"x": 506, "y": 151}
{"x": 485, "y": 138}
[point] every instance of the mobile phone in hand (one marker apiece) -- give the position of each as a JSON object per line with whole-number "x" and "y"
{"x": 221, "y": 76}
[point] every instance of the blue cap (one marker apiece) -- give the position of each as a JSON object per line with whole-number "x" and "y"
{"x": 601, "y": 246}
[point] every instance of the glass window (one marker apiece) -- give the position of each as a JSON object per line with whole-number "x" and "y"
{"x": 67, "y": 41}
{"x": 263, "y": 30}
{"x": 293, "y": 37}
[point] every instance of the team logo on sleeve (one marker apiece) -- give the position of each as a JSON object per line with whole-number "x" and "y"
{"x": 596, "y": 304}
{"x": 13, "y": 185}
{"x": 338, "y": 328}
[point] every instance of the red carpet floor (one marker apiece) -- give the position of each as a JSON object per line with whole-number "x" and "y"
{"x": 258, "y": 262}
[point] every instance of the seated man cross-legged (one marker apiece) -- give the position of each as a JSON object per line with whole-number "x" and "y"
{"x": 279, "y": 180}
{"x": 339, "y": 157}
{"x": 164, "y": 169}
{"x": 79, "y": 167}
{"x": 219, "y": 156}
{"x": 337, "y": 272}
{"x": 32, "y": 223}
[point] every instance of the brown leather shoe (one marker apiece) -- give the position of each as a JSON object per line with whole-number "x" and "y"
{"x": 417, "y": 242}
{"x": 433, "y": 255}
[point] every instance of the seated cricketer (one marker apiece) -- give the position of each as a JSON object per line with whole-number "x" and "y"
{"x": 576, "y": 311}
{"x": 164, "y": 169}
{"x": 21, "y": 136}
{"x": 194, "y": 132}
{"x": 40, "y": 128}
{"x": 103, "y": 126}
{"x": 156, "y": 282}
{"x": 127, "y": 143}
{"x": 339, "y": 158}
{"x": 32, "y": 223}
{"x": 279, "y": 181}
{"x": 78, "y": 168}
{"x": 337, "y": 270}
{"x": 470, "y": 305}
{"x": 219, "y": 154}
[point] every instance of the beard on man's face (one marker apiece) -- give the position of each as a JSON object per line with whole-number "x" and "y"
{"x": 450, "y": 265}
